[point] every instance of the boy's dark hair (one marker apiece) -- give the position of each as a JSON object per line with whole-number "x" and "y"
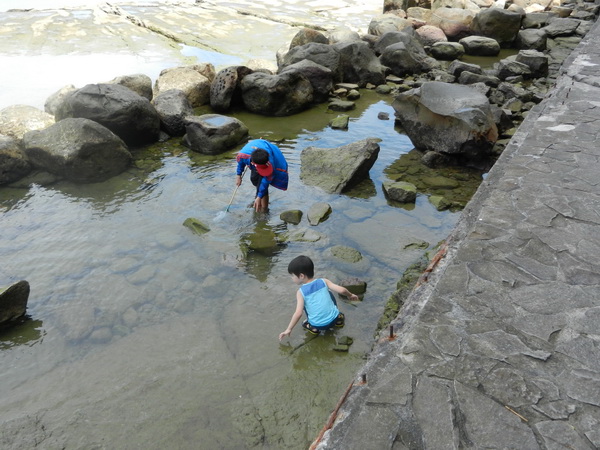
{"x": 259, "y": 156}
{"x": 301, "y": 265}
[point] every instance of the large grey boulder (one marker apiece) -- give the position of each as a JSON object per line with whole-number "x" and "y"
{"x": 480, "y": 46}
{"x": 408, "y": 37}
{"x": 447, "y": 51}
{"x": 499, "y": 24}
{"x": 337, "y": 169}
{"x": 55, "y": 99}
{"x": 359, "y": 64}
{"x": 429, "y": 35}
{"x": 127, "y": 114}
{"x": 457, "y": 67}
{"x": 320, "y": 77}
{"x": 173, "y": 107}
{"x": 213, "y": 134}
{"x": 561, "y": 27}
{"x": 14, "y": 164}
{"x": 225, "y": 89}
{"x": 16, "y": 120}
{"x": 322, "y": 54}
{"x": 77, "y": 149}
{"x": 537, "y": 62}
{"x": 447, "y": 118}
{"x": 307, "y": 35}
{"x": 403, "y": 59}
{"x": 454, "y": 22}
{"x": 13, "y": 301}
{"x": 194, "y": 80}
{"x": 343, "y": 34}
{"x": 277, "y": 95}
{"x": 531, "y": 39}
{"x": 139, "y": 83}
{"x": 510, "y": 67}
{"x": 384, "y": 23}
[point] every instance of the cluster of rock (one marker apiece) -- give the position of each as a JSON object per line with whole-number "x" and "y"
{"x": 85, "y": 135}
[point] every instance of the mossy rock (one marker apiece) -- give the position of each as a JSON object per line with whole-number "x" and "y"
{"x": 293, "y": 216}
{"x": 196, "y": 226}
{"x": 440, "y": 202}
{"x": 400, "y": 191}
{"x": 347, "y": 254}
{"x": 263, "y": 241}
{"x": 345, "y": 340}
{"x": 303, "y": 235}
{"x": 354, "y": 285}
{"x": 340, "y": 122}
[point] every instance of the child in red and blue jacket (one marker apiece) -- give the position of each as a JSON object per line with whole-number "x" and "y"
{"x": 268, "y": 167}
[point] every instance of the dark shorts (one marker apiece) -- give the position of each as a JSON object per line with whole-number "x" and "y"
{"x": 337, "y": 322}
{"x": 255, "y": 178}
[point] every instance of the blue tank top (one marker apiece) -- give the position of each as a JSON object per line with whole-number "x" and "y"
{"x": 319, "y": 303}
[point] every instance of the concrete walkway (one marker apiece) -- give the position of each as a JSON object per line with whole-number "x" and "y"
{"x": 500, "y": 348}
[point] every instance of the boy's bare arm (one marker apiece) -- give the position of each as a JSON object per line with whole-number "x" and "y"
{"x": 340, "y": 290}
{"x": 295, "y": 317}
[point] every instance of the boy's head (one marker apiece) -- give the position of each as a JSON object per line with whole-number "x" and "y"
{"x": 302, "y": 265}
{"x": 260, "y": 158}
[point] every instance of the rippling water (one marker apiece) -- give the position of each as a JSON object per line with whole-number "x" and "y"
{"x": 139, "y": 324}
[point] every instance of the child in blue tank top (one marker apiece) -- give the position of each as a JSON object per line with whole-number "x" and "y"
{"x": 315, "y": 299}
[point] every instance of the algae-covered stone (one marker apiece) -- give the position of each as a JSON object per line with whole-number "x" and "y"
{"x": 263, "y": 241}
{"x": 341, "y": 105}
{"x": 354, "y": 285}
{"x": 293, "y": 216}
{"x": 341, "y": 348}
{"x": 417, "y": 245}
{"x": 439, "y": 202}
{"x": 304, "y": 235}
{"x": 440, "y": 182}
{"x": 340, "y": 122}
{"x": 400, "y": 191}
{"x": 196, "y": 226}
{"x": 345, "y": 340}
{"x": 347, "y": 254}
{"x": 319, "y": 212}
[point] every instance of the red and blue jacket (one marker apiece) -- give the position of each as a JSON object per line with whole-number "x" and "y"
{"x": 278, "y": 179}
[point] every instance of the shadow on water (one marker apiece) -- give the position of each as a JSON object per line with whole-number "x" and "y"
{"x": 25, "y": 331}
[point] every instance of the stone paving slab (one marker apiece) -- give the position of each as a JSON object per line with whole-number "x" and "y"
{"x": 500, "y": 348}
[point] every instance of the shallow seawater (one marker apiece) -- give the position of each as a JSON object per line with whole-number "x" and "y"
{"x": 167, "y": 338}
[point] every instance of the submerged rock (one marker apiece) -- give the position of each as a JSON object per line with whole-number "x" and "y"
{"x": 196, "y": 225}
{"x": 347, "y": 254}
